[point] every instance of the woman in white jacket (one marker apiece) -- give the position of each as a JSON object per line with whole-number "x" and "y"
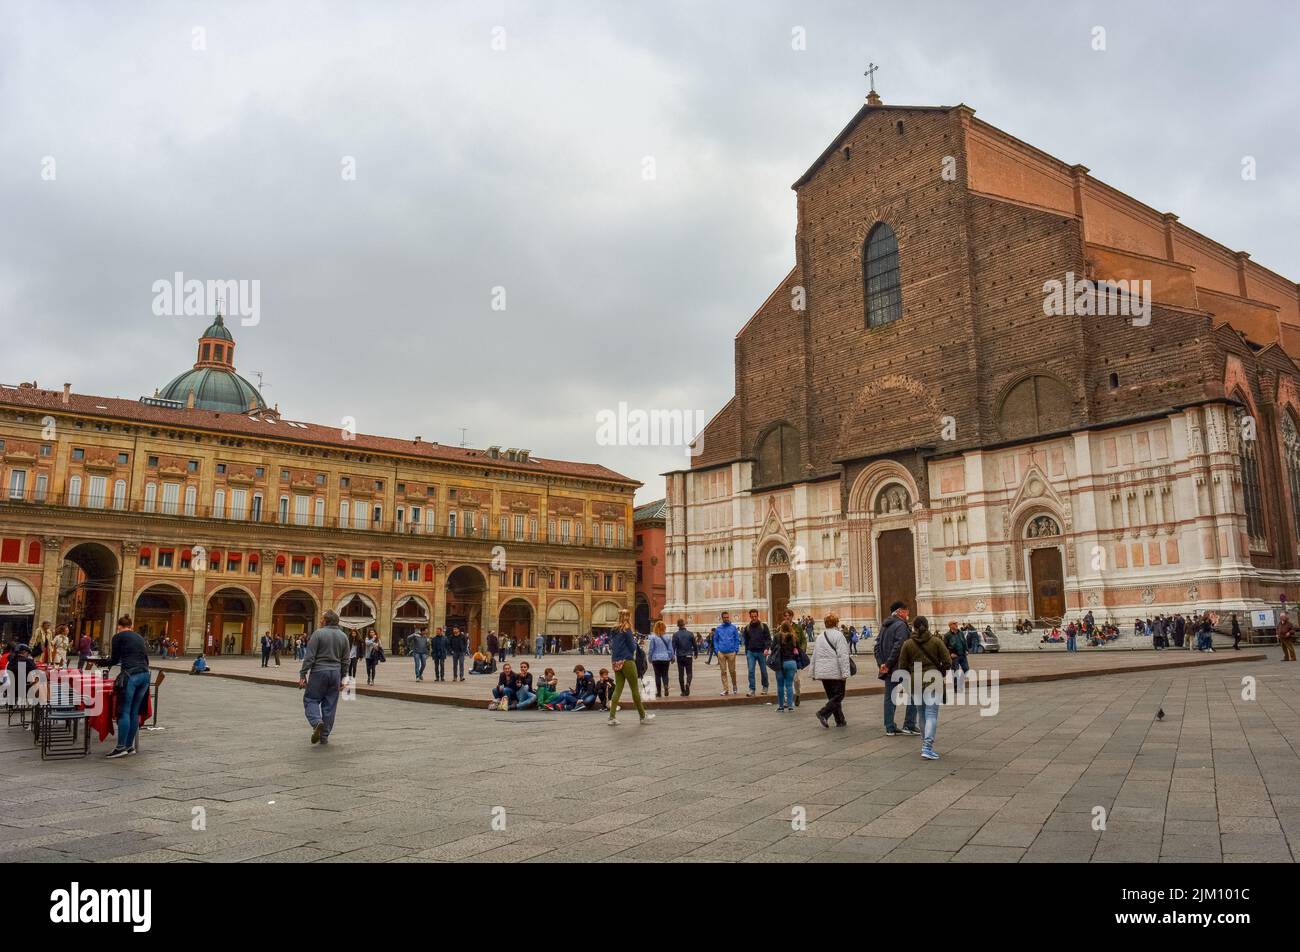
{"x": 830, "y": 666}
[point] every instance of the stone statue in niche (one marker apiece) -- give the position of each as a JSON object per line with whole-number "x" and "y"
{"x": 1042, "y": 527}
{"x": 893, "y": 500}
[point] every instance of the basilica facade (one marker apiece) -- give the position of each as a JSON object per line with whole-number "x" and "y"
{"x": 916, "y": 417}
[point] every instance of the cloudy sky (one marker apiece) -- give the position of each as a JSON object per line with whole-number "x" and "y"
{"x": 213, "y": 140}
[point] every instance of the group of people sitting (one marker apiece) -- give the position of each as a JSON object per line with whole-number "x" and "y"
{"x": 516, "y": 691}
{"x": 1096, "y": 635}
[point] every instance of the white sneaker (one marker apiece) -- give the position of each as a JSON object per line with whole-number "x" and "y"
{"x": 648, "y": 717}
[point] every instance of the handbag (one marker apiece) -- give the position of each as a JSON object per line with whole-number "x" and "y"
{"x": 774, "y": 660}
{"x": 802, "y": 660}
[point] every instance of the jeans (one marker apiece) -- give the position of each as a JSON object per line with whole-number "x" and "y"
{"x": 661, "y": 677}
{"x": 458, "y": 666}
{"x": 785, "y": 683}
{"x": 1071, "y": 644}
{"x": 752, "y": 658}
{"x": 128, "y": 710}
{"x": 626, "y": 675}
{"x": 439, "y": 668}
{"x": 909, "y": 718}
{"x": 321, "y": 700}
{"x": 537, "y": 650}
{"x": 685, "y": 674}
{"x": 524, "y": 698}
{"x": 834, "y": 698}
{"x": 421, "y": 659}
{"x": 500, "y": 692}
{"x": 931, "y": 726}
{"x": 960, "y": 666}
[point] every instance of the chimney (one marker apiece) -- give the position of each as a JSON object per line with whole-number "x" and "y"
{"x": 67, "y": 392}
{"x": 417, "y": 440}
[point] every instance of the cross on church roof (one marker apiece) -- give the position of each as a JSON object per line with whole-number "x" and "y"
{"x": 872, "y": 98}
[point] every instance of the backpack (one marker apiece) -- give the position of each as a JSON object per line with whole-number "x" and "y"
{"x": 641, "y": 662}
{"x": 878, "y": 649}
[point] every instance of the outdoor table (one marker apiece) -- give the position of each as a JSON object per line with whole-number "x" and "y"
{"x": 95, "y": 693}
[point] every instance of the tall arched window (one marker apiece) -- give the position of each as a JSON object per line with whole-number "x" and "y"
{"x": 778, "y": 456}
{"x": 1291, "y": 453}
{"x": 880, "y": 277}
{"x": 1250, "y": 485}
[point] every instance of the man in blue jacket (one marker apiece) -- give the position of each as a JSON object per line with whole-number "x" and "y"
{"x": 889, "y": 643}
{"x": 726, "y": 642}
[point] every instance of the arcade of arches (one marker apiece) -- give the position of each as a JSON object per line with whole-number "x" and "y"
{"x": 220, "y": 612}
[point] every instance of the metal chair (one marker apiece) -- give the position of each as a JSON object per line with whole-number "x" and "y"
{"x": 61, "y": 724}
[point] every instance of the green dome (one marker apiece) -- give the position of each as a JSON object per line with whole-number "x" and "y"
{"x": 214, "y": 389}
{"x": 218, "y": 329}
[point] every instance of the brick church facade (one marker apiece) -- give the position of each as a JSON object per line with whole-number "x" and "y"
{"x": 909, "y": 422}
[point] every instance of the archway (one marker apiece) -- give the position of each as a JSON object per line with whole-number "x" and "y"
{"x": 293, "y": 615}
{"x": 896, "y": 561}
{"x": 410, "y": 615}
{"x": 516, "y": 622}
{"x": 88, "y": 583}
{"x": 230, "y": 617}
{"x": 642, "y": 622}
{"x": 160, "y": 612}
{"x": 603, "y": 618}
{"x": 17, "y": 611}
{"x": 1042, "y": 535}
{"x": 466, "y": 590}
{"x": 778, "y": 585}
{"x": 563, "y": 621}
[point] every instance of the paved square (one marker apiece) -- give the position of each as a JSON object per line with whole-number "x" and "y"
{"x": 1217, "y": 779}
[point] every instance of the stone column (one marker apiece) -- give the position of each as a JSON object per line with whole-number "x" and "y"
{"x": 384, "y": 623}
{"x": 492, "y": 603}
{"x": 439, "y": 595}
{"x": 589, "y": 581}
{"x": 198, "y": 614}
{"x": 265, "y": 603}
{"x": 329, "y": 561}
{"x": 126, "y": 582}
{"x": 47, "y": 599}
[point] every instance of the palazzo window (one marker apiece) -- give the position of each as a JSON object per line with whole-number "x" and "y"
{"x": 777, "y": 456}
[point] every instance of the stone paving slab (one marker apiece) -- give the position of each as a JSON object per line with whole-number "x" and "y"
{"x": 396, "y": 678}
{"x": 1215, "y": 780}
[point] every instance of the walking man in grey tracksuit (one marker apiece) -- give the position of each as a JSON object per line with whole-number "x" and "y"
{"x": 323, "y": 666}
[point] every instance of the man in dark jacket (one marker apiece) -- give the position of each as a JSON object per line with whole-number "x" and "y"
{"x": 758, "y": 638}
{"x": 458, "y": 646}
{"x": 889, "y": 643}
{"x": 493, "y": 646}
{"x": 1236, "y": 633}
{"x": 418, "y": 647}
{"x": 955, "y": 642}
{"x": 687, "y": 650}
{"x": 438, "y": 651}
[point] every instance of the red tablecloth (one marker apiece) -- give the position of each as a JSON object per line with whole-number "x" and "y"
{"x": 96, "y": 694}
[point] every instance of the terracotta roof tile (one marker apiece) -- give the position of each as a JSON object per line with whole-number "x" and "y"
{"x": 243, "y": 424}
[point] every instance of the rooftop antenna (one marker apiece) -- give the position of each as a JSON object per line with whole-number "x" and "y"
{"x": 258, "y": 375}
{"x": 462, "y": 435}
